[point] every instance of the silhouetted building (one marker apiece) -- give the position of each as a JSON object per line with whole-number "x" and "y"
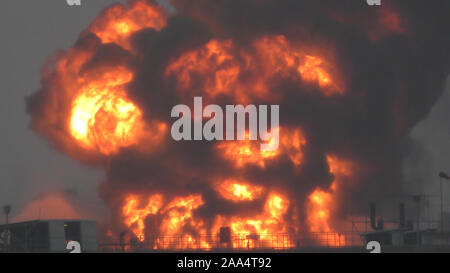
{"x": 48, "y": 236}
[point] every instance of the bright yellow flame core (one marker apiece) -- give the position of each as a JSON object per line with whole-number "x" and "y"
{"x": 238, "y": 191}
{"x": 102, "y": 116}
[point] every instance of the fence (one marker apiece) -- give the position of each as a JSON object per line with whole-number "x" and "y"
{"x": 211, "y": 242}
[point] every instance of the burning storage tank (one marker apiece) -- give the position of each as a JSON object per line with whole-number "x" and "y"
{"x": 351, "y": 81}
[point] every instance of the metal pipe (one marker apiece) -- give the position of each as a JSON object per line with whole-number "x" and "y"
{"x": 442, "y": 205}
{"x": 401, "y": 220}
{"x": 7, "y": 210}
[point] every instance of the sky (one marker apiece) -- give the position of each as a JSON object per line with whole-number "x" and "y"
{"x": 30, "y": 167}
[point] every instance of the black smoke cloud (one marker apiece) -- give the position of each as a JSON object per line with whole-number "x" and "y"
{"x": 393, "y": 78}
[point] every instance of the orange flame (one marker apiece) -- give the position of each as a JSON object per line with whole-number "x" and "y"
{"x": 238, "y": 191}
{"x": 311, "y": 70}
{"x": 135, "y": 216}
{"x": 217, "y": 66}
{"x": 212, "y": 62}
{"x": 321, "y": 204}
{"x": 177, "y": 215}
{"x": 178, "y": 219}
{"x": 245, "y": 152}
{"x": 102, "y": 116}
{"x": 258, "y": 231}
{"x": 286, "y": 59}
{"x": 118, "y": 22}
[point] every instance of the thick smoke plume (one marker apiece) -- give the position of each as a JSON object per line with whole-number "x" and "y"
{"x": 351, "y": 81}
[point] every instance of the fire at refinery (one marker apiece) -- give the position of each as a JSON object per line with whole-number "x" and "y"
{"x": 106, "y": 102}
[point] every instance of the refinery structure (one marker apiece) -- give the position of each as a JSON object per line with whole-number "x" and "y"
{"x": 407, "y": 232}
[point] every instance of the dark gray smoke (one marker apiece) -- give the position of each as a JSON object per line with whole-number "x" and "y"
{"x": 394, "y": 72}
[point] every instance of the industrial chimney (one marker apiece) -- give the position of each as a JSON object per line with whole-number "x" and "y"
{"x": 373, "y": 222}
{"x": 7, "y": 210}
{"x": 401, "y": 216}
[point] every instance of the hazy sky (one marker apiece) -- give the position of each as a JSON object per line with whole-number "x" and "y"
{"x": 30, "y": 31}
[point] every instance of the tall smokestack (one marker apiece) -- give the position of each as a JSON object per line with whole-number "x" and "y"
{"x": 7, "y": 210}
{"x": 225, "y": 236}
{"x": 373, "y": 217}
{"x": 401, "y": 217}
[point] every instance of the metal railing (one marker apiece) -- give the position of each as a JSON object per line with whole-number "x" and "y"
{"x": 211, "y": 242}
